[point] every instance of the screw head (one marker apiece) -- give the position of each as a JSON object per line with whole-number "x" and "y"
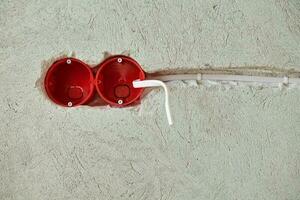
{"x": 120, "y": 102}
{"x": 69, "y": 61}
{"x": 120, "y": 60}
{"x": 70, "y": 104}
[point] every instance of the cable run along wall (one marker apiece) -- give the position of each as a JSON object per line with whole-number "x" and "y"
{"x": 120, "y": 81}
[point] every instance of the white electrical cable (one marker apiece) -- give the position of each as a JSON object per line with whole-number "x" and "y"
{"x": 156, "y": 83}
{"x": 177, "y": 77}
{"x": 212, "y": 77}
{"x": 227, "y": 77}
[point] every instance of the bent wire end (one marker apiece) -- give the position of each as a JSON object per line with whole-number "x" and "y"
{"x": 156, "y": 83}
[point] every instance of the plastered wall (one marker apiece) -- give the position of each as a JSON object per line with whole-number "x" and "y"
{"x": 227, "y": 142}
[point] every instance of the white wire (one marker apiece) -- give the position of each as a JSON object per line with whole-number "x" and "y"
{"x": 175, "y": 77}
{"x": 213, "y": 77}
{"x": 226, "y": 77}
{"x": 156, "y": 83}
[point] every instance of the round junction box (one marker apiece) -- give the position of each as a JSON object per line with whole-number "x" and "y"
{"x": 114, "y": 80}
{"x": 69, "y": 82}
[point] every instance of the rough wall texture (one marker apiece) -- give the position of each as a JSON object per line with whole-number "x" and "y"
{"x": 228, "y": 142}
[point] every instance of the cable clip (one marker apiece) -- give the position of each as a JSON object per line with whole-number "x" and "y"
{"x": 285, "y": 80}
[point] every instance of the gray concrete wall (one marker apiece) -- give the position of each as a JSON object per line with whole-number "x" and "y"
{"x": 227, "y": 142}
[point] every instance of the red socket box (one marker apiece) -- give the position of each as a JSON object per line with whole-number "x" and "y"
{"x": 71, "y": 82}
